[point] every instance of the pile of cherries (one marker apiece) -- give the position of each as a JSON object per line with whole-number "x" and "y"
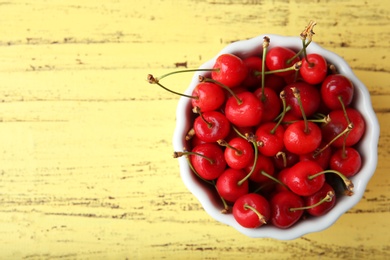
{"x": 274, "y": 134}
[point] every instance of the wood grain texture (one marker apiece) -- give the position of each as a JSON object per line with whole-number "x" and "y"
{"x": 86, "y": 169}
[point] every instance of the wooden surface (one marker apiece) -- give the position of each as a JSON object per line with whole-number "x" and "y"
{"x": 85, "y": 143}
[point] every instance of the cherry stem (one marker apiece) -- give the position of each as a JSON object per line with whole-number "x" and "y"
{"x": 318, "y": 120}
{"x": 186, "y": 153}
{"x": 332, "y": 68}
{"x": 308, "y": 32}
{"x": 226, "y": 144}
{"x": 197, "y": 111}
{"x": 344, "y": 132}
{"x": 305, "y": 45}
{"x": 231, "y": 92}
{"x": 226, "y": 207}
{"x": 296, "y": 74}
{"x": 284, "y": 158}
{"x": 311, "y": 65}
{"x": 348, "y": 183}
{"x": 251, "y": 138}
{"x": 181, "y": 71}
{"x": 190, "y": 134}
{"x": 266, "y": 41}
{"x": 295, "y": 67}
{"x": 274, "y": 179}
{"x": 320, "y": 115}
{"x": 297, "y": 95}
{"x": 261, "y": 217}
{"x": 349, "y": 123}
{"x": 344, "y": 109}
{"x": 179, "y": 154}
{"x": 306, "y": 36}
{"x": 153, "y": 80}
{"x": 238, "y": 132}
{"x": 344, "y": 153}
{"x": 328, "y": 198}
{"x": 281, "y": 115}
{"x": 282, "y": 96}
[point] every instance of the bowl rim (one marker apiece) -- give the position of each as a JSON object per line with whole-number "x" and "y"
{"x": 245, "y": 48}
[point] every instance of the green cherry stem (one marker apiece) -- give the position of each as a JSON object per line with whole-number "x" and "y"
{"x": 328, "y": 198}
{"x": 251, "y": 138}
{"x": 314, "y": 120}
{"x": 283, "y": 155}
{"x": 186, "y": 153}
{"x": 303, "y": 50}
{"x": 295, "y": 67}
{"x": 306, "y": 36}
{"x": 152, "y": 80}
{"x": 261, "y": 217}
{"x": 348, "y": 121}
{"x": 266, "y": 41}
{"x": 274, "y": 179}
{"x": 204, "y": 79}
{"x": 182, "y": 71}
{"x": 297, "y": 95}
{"x": 344, "y": 132}
{"x": 348, "y": 183}
{"x": 344, "y": 109}
{"x": 282, "y": 96}
{"x": 238, "y": 132}
{"x": 196, "y": 110}
{"x": 226, "y": 144}
{"x": 226, "y": 208}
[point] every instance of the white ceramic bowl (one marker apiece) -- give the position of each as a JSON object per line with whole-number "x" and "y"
{"x": 367, "y": 146}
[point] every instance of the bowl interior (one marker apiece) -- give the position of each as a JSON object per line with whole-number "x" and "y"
{"x": 367, "y": 146}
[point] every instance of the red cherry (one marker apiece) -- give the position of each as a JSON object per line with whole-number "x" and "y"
{"x": 300, "y": 178}
{"x": 263, "y": 164}
{"x": 322, "y": 157}
{"x": 211, "y": 126}
{"x": 281, "y": 204}
{"x": 270, "y": 138}
{"x": 251, "y": 210}
{"x": 208, "y": 160}
{"x": 333, "y": 88}
{"x": 238, "y": 153}
{"x": 301, "y": 140}
{"x": 229, "y": 70}
{"x": 347, "y": 161}
{"x": 242, "y": 130}
{"x": 196, "y": 141}
{"x": 247, "y": 112}
{"x": 210, "y": 96}
{"x": 282, "y": 177}
{"x": 309, "y": 95}
{"x": 285, "y": 159}
{"x": 254, "y": 65}
{"x": 325, "y": 205}
{"x": 271, "y": 103}
{"x": 229, "y": 184}
{"x": 274, "y": 82}
{"x": 338, "y": 123}
{"x": 314, "y": 68}
{"x": 280, "y": 58}
{"x": 289, "y": 118}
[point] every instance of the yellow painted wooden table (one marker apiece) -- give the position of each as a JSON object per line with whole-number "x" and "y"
{"x": 86, "y": 168}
